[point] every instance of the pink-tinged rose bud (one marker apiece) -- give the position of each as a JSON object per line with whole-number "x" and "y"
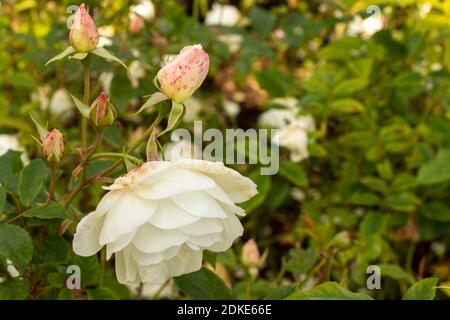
{"x": 53, "y": 145}
{"x": 83, "y": 33}
{"x": 102, "y": 111}
{"x": 136, "y": 23}
{"x": 250, "y": 254}
{"x": 179, "y": 78}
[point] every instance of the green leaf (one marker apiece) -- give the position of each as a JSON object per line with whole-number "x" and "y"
{"x": 294, "y": 173}
{"x": 14, "y": 289}
{"x": 90, "y": 269}
{"x": 51, "y": 210}
{"x": 10, "y": 164}
{"x": 348, "y": 87}
{"x": 203, "y": 285}
{"x": 81, "y": 106}
{"x": 31, "y": 181}
{"x": 2, "y": 198}
{"x": 375, "y": 184}
{"x": 102, "y": 52}
{"x": 54, "y": 249}
{"x": 281, "y": 292}
{"x": 422, "y": 290}
{"x": 155, "y": 98}
{"x": 264, "y": 183}
{"x": 436, "y": 211}
{"x": 328, "y": 291}
{"x": 404, "y": 202}
{"x": 395, "y": 272}
{"x": 40, "y": 128}
{"x": 262, "y": 21}
{"x": 363, "y": 199}
{"x": 210, "y": 257}
{"x": 101, "y": 293}
{"x": 175, "y": 116}
{"x": 16, "y": 245}
{"x": 65, "y": 53}
{"x": 346, "y": 106}
{"x": 435, "y": 171}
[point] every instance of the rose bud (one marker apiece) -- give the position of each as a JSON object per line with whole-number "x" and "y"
{"x": 136, "y": 23}
{"x": 53, "y": 145}
{"x": 102, "y": 111}
{"x": 179, "y": 78}
{"x": 250, "y": 254}
{"x": 83, "y": 33}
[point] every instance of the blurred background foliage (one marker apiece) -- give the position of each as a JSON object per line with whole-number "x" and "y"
{"x": 375, "y": 188}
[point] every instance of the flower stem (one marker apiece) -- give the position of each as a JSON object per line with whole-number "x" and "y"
{"x": 84, "y": 128}
{"x": 51, "y": 189}
{"x": 116, "y": 155}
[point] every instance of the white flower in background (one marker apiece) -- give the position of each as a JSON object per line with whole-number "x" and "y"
{"x": 145, "y": 9}
{"x": 294, "y": 128}
{"x": 181, "y": 150}
{"x": 294, "y": 137}
{"x": 222, "y": 15}
{"x": 105, "y": 80}
{"x": 297, "y": 194}
{"x": 61, "y": 103}
{"x": 41, "y": 95}
{"x": 365, "y": 27}
{"x": 231, "y": 108}
{"x": 277, "y": 118}
{"x": 159, "y": 218}
{"x": 11, "y": 269}
{"x": 11, "y": 142}
{"x": 233, "y": 41}
{"x": 136, "y": 72}
{"x": 424, "y": 9}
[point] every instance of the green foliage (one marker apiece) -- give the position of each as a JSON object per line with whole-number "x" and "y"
{"x": 203, "y": 284}
{"x": 422, "y": 290}
{"x": 374, "y": 188}
{"x": 328, "y": 291}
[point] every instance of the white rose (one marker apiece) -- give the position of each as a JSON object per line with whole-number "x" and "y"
{"x": 223, "y": 15}
{"x": 159, "y": 218}
{"x": 295, "y": 137}
{"x": 61, "y": 103}
{"x": 145, "y": 9}
{"x": 11, "y": 142}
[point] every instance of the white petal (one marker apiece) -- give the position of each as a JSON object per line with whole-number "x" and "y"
{"x": 150, "y": 239}
{"x": 220, "y": 195}
{"x": 143, "y": 258}
{"x": 199, "y": 203}
{"x": 185, "y": 262}
{"x": 125, "y": 216}
{"x": 170, "y": 216}
{"x": 119, "y": 244}
{"x": 108, "y": 201}
{"x": 86, "y": 239}
{"x": 175, "y": 181}
{"x": 238, "y": 188}
{"x": 232, "y": 230}
{"x": 207, "y": 240}
{"x": 203, "y": 226}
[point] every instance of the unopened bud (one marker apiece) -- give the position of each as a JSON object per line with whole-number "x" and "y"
{"x": 53, "y": 145}
{"x": 83, "y": 33}
{"x": 102, "y": 111}
{"x": 250, "y": 254}
{"x": 184, "y": 74}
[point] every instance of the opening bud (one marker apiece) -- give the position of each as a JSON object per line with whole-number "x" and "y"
{"x": 102, "y": 111}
